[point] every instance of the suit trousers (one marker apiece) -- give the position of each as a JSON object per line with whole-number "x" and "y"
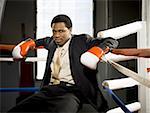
{"x": 51, "y": 99}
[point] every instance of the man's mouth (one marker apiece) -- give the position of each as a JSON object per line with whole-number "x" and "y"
{"x": 57, "y": 40}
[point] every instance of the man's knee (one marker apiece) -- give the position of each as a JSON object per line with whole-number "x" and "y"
{"x": 69, "y": 103}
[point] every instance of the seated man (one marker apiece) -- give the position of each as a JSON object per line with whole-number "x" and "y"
{"x": 67, "y": 83}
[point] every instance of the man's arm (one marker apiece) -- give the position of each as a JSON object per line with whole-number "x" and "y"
{"x": 95, "y": 53}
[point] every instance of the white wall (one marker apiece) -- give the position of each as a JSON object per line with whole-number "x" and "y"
{"x": 143, "y": 64}
{"x": 80, "y": 12}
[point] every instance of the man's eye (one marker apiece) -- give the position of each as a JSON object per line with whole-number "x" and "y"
{"x": 54, "y": 31}
{"x": 61, "y": 31}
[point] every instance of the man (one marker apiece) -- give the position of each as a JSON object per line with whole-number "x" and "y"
{"x": 67, "y": 84}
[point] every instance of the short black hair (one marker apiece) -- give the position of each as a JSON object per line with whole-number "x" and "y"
{"x": 62, "y": 18}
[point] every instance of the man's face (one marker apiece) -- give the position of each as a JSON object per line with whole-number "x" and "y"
{"x": 60, "y": 33}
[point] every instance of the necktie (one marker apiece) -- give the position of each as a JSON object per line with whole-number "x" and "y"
{"x": 56, "y": 67}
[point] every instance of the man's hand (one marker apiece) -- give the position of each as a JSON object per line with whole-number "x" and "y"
{"x": 95, "y": 54}
{"x": 92, "y": 57}
{"x": 21, "y": 50}
{"x": 109, "y": 42}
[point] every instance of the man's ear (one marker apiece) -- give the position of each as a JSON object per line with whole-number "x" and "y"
{"x": 70, "y": 29}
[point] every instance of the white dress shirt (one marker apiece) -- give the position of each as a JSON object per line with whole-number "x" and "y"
{"x": 65, "y": 72}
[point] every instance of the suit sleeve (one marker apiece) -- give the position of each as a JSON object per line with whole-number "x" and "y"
{"x": 43, "y": 43}
{"x": 102, "y": 42}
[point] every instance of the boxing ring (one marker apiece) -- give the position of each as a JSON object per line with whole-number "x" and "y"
{"x": 132, "y": 79}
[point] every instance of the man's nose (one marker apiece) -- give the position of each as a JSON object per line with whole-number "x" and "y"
{"x": 56, "y": 34}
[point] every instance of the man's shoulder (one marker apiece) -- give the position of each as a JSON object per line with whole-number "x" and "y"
{"x": 82, "y": 38}
{"x": 81, "y": 35}
{"x": 47, "y": 39}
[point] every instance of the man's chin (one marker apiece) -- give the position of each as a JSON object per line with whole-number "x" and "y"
{"x": 59, "y": 43}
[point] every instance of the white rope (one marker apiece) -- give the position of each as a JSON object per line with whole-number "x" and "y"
{"x": 120, "y": 83}
{"x": 121, "y": 31}
{"x": 132, "y": 107}
{"x": 120, "y": 68}
{"x": 111, "y": 56}
{"x": 128, "y": 72}
{"x": 28, "y": 59}
{"x": 117, "y": 58}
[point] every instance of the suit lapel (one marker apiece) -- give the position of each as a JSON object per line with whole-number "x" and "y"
{"x": 47, "y": 75}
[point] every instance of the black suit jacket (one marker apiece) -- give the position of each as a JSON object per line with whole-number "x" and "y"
{"x": 84, "y": 78}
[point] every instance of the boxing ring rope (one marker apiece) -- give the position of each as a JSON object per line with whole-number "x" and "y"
{"x": 123, "y": 83}
{"x": 135, "y": 106}
{"x": 28, "y": 59}
{"x": 22, "y": 89}
{"x": 25, "y": 89}
{"x": 120, "y": 83}
{"x": 119, "y": 102}
{"x": 111, "y": 56}
{"x": 121, "y": 31}
{"x": 110, "y": 85}
{"x": 115, "y": 84}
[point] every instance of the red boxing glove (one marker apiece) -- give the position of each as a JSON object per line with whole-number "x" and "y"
{"x": 21, "y": 50}
{"x": 92, "y": 57}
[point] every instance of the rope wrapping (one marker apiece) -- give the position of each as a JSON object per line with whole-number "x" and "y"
{"x": 118, "y": 101}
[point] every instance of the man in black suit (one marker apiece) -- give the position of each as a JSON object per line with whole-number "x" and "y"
{"x": 67, "y": 83}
